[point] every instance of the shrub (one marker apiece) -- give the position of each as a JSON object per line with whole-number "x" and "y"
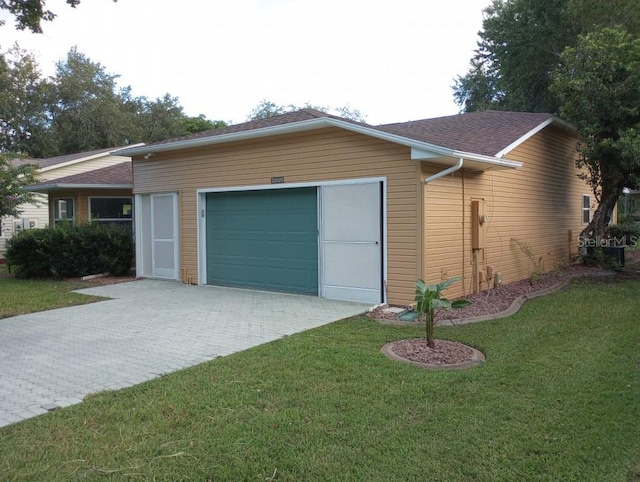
{"x": 628, "y": 233}
{"x": 69, "y": 250}
{"x": 28, "y": 253}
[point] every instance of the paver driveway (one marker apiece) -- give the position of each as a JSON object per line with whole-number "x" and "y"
{"x": 150, "y": 327}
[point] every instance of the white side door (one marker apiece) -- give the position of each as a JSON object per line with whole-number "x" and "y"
{"x": 164, "y": 236}
{"x": 351, "y": 242}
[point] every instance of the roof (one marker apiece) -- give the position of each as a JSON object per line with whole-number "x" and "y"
{"x": 278, "y": 120}
{"x": 57, "y": 161}
{"x": 118, "y": 176}
{"x": 488, "y": 133}
{"x": 484, "y": 138}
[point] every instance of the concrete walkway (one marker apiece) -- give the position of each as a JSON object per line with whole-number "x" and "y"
{"x": 55, "y": 358}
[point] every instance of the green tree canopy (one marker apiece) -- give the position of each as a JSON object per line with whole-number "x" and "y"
{"x": 23, "y": 121}
{"x": 80, "y": 108}
{"x": 29, "y": 14}
{"x": 15, "y": 173}
{"x": 267, "y": 109}
{"x": 520, "y": 45}
{"x": 192, "y": 125}
{"x": 87, "y": 109}
{"x": 598, "y": 87}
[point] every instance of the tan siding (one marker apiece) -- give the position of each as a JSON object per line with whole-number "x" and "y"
{"x": 536, "y": 204}
{"x": 38, "y": 212}
{"x": 56, "y": 172}
{"x": 322, "y": 155}
{"x": 81, "y": 200}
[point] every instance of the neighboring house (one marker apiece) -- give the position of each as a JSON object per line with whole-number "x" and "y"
{"x": 308, "y": 202}
{"x": 37, "y": 215}
{"x": 101, "y": 195}
{"x": 629, "y": 205}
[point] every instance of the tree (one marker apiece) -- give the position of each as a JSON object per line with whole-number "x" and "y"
{"x": 80, "y": 108}
{"x": 350, "y": 113}
{"x": 267, "y": 109}
{"x": 87, "y": 109}
{"x": 429, "y": 300}
{"x": 23, "y": 118}
{"x": 29, "y": 14}
{"x": 161, "y": 119}
{"x": 15, "y": 173}
{"x": 520, "y": 45}
{"x": 192, "y": 125}
{"x": 598, "y": 86}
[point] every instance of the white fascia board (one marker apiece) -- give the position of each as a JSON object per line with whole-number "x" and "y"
{"x": 489, "y": 161}
{"x": 551, "y": 120}
{"x": 284, "y": 129}
{"x": 75, "y": 161}
{"x": 419, "y": 150}
{"x": 58, "y": 187}
{"x": 88, "y": 158}
{"x": 224, "y": 138}
{"x": 479, "y": 161}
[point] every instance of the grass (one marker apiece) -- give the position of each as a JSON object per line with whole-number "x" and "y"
{"x": 18, "y": 297}
{"x": 557, "y": 399}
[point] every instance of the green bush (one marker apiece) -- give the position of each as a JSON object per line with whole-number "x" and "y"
{"x": 627, "y": 233}
{"x": 68, "y": 250}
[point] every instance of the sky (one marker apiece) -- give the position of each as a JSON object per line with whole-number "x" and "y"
{"x": 394, "y": 61}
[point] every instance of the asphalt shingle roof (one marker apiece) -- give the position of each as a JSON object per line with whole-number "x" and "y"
{"x": 288, "y": 118}
{"x": 486, "y": 133}
{"x": 118, "y": 174}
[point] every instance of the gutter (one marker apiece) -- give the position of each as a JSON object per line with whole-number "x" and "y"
{"x": 419, "y": 150}
{"x": 456, "y": 167}
{"x": 57, "y": 187}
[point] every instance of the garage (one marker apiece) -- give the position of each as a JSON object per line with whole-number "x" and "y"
{"x": 323, "y": 240}
{"x": 265, "y": 239}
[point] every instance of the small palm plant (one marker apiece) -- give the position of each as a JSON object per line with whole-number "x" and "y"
{"x": 429, "y": 300}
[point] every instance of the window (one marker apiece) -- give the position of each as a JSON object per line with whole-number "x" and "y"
{"x": 63, "y": 210}
{"x": 112, "y": 211}
{"x": 586, "y": 209}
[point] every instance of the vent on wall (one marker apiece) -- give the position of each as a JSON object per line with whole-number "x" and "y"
{"x": 25, "y": 223}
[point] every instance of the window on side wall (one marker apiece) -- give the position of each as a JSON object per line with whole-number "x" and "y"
{"x": 63, "y": 210}
{"x": 586, "y": 209}
{"x": 112, "y": 211}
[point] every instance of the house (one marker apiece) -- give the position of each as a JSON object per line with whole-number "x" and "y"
{"x": 307, "y": 202}
{"x": 101, "y": 195}
{"x": 629, "y": 205}
{"x": 42, "y": 214}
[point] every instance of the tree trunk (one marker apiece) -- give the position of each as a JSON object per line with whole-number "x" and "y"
{"x": 429, "y": 320}
{"x": 604, "y": 212}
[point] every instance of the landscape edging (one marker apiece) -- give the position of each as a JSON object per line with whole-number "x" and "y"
{"x": 476, "y": 359}
{"x": 520, "y": 300}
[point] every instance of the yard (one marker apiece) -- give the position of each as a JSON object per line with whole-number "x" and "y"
{"x": 18, "y": 297}
{"x": 557, "y": 399}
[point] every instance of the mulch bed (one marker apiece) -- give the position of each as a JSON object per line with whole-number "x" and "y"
{"x": 490, "y": 302}
{"x": 498, "y": 299}
{"x": 445, "y": 352}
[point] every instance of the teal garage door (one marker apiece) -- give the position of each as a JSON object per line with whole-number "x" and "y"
{"x": 263, "y": 239}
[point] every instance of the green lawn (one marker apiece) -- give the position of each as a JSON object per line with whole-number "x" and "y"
{"x": 18, "y": 297}
{"x": 557, "y": 399}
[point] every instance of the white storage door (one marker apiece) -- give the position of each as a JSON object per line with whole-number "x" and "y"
{"x": 164, "y": 234}
{"x": 351, "y": 242}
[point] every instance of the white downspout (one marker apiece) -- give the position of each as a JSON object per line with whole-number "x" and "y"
{"x": 449, "y": 170}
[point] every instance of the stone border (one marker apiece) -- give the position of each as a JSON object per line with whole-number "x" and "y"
{"x": 513, "y": 308}
{"x": 520, "y": 300}
{"x": 476, "y": 359}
